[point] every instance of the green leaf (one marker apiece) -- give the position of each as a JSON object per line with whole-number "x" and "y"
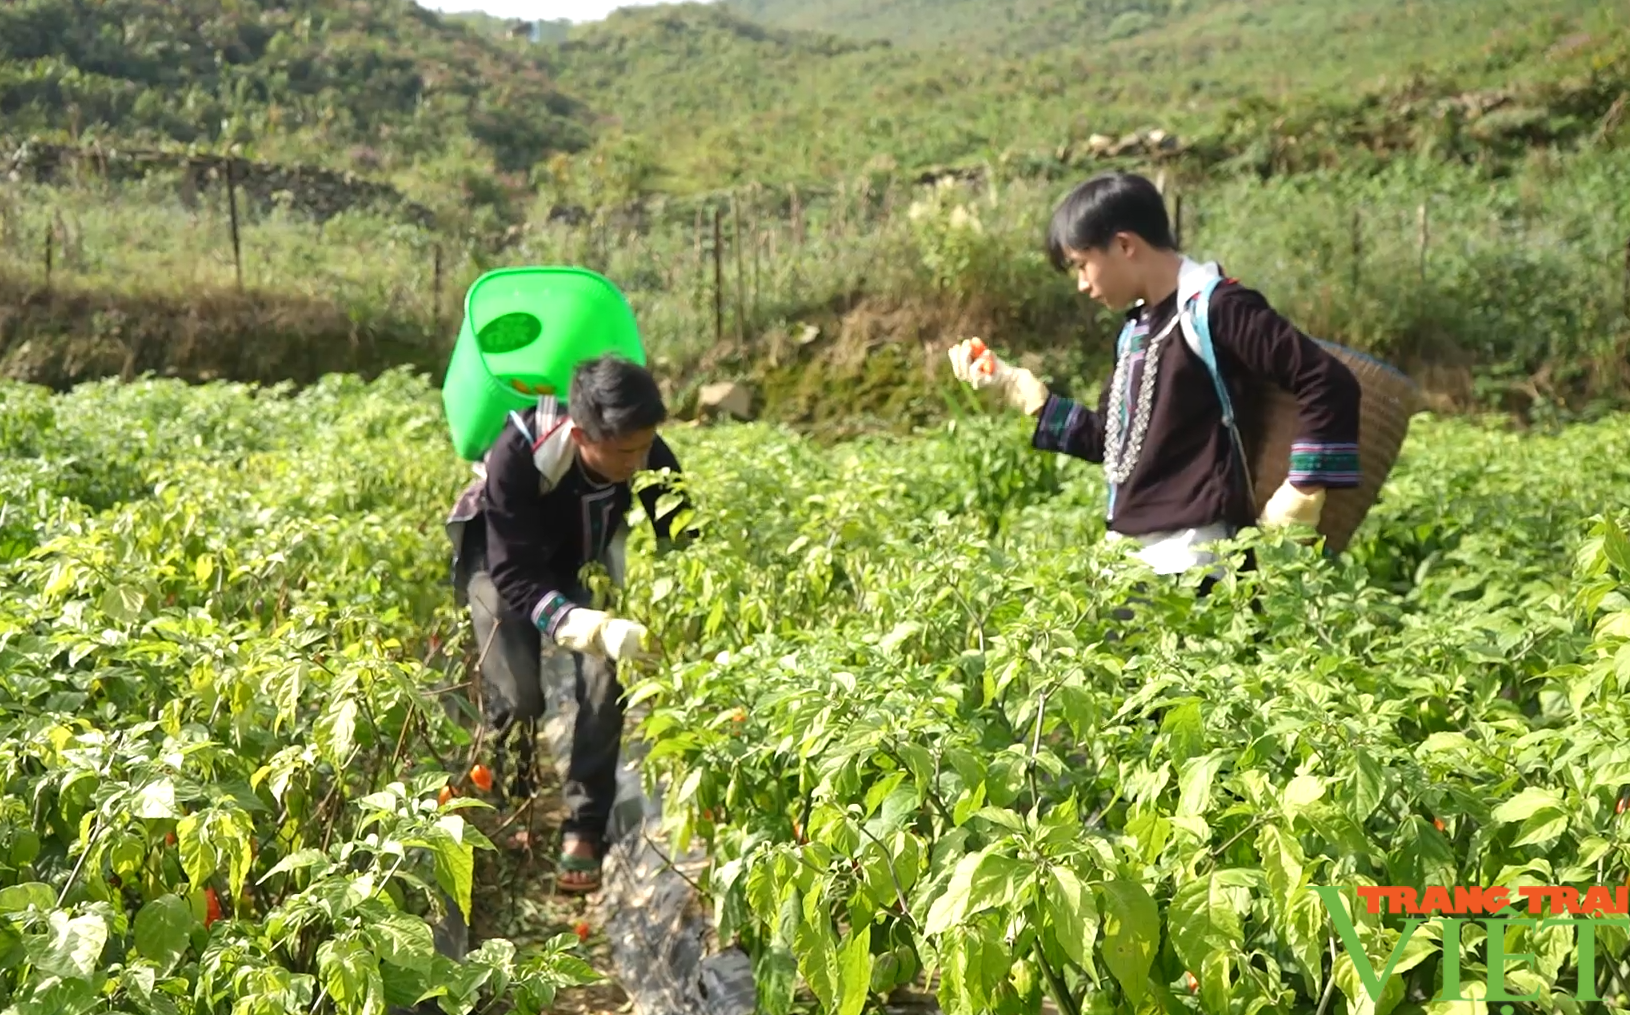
{"x": 298, "y": 860}
{"x": 776, "y": 975}
{"x": 1195, "y": 783}
{"x": 1184, "y": 726}
{"x": 1529, "y": 802}
{"x": 1542, "y": 826}
{"x": 1303, "y": 791}
{"x": 163, "y": 930}
{"x": 454, "y": 861}
{"x": 1369, "y": 786}
{"x": 25, "y": 847}
{"x": 156, "y": 801}
{"x": 1205, "y": 917}
{"x": 816, "y": 949}
{"x": 351, "y": 974}
{"x": 123, "y": 604}
{"x": 1216, "y": 975}
{"x": 398, "y": 939}
{"x": 1304, "y": 931}
{"x": 1282, "y": 863}
{"x": 855, "y": 972}
{"x": 1616, "y": 545}
{"x": 198, "y": 857}
{"x": 18, "y": 898}
{"x": 1131, "y": 935}
{"x": 74, "y": 946}
{"x": 234, "y": 834}
{"x": 337, "y": 731}
{"x": 1073, "y": 912}
{"x": 980, "y": 880}
{"x": 62, "y": 579}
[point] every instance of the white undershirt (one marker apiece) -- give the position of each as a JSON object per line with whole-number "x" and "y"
{"x": 1176, "y": 552}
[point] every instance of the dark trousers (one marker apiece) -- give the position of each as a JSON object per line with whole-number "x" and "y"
{"x": 518, "y": 676}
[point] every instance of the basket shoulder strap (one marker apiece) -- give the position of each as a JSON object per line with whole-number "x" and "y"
{"x": 553, "y": 450}
{"x": 1197, "y": 333}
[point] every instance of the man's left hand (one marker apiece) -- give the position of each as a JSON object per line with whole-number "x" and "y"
{"x": 1290, "y": 506}
{"x": 624, "y": 639}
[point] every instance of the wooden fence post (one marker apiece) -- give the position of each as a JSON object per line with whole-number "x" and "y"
{"x": 1627, "y": 279}
{"x": 758, "y": 242}
{"x": 435, "y": 290}
{"x": 1421, "y": 214}
{"x": 797, "y": 217}
{"x": 696, "y": 236}
{"x": 718, "y": 277}
{"x": 1177, "y": 221}
{"x": 741, "y": 282}
{"x": 1358, "y": 246}
{"x": 232, "y": 210}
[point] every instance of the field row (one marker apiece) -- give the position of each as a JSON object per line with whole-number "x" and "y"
{"x": 895, "y": 700}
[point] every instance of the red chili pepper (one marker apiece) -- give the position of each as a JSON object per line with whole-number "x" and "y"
{"x": 212, "y": 907}
{"x": 481, "y": 775}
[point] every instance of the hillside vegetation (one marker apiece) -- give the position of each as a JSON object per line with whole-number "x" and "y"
{"x": 987, "y": 25}
{"x": 1279, "y": 85}
{"x": 376, "y": 83}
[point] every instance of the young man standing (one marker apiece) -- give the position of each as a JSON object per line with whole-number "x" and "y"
{"x": 553, "y": 499}
{"x": 1176, "y": 481}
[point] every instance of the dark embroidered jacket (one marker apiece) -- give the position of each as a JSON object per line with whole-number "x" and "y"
{"x": 538, "y": 517}
{"x": 1188, "y": 475}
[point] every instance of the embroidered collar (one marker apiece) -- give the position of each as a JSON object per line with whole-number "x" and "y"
{"x": 1192, "y": 276}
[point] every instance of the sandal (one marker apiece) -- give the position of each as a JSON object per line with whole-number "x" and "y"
{"x": 583, "y": 870}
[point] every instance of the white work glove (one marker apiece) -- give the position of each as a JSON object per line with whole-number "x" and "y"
{"x": 1290, "y": 506}
{"x": 595, "y": 633}
{"x": 973, "y": 364}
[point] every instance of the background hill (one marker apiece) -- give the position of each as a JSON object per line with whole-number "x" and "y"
{"x": 376, "y": 84}
{"x": 994, "y": 26}
{"x": 1443, "y": 183}
{"x": 720, "y": 99}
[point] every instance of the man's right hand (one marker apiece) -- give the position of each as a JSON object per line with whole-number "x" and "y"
{"x": 592, "y": 632}
{"x": 979, "y": 367}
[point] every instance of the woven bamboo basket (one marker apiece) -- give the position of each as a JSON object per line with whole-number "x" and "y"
{"x": 1268, "y": 420}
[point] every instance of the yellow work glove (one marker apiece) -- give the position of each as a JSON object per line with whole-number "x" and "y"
{"x": 975, "y": 365}
{"x": 1290, "y": 506}
{"x": 592, "y": 632}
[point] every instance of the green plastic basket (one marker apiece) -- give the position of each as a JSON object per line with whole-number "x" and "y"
{"x": 525, "y": 330}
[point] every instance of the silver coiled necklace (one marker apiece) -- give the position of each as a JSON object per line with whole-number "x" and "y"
{"x": 1122, "y": 450}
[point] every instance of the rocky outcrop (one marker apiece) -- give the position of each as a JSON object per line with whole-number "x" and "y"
{"x": 726, "y": 398}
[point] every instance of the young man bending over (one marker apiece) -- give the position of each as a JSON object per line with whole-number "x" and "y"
{"x": 554, "y": 497}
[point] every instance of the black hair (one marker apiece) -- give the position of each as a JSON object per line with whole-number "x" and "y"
{"x": 613, "y": 397}
{"x": 1091, "y": 214}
